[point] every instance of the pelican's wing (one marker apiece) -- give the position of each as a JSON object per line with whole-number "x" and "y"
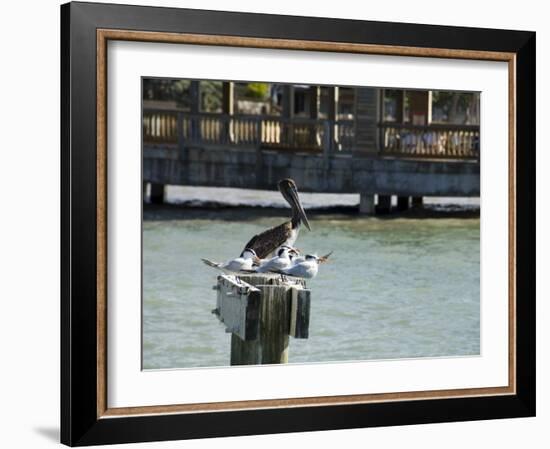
{"x": 268, "y": 241}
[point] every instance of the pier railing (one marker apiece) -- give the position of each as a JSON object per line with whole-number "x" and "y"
{"x": 298, "y": 134}
{"x": 307, "y": 135}
{"x": 433, "y": 141}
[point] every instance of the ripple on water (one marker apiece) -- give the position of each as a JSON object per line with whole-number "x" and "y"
{"x": 393, "y": 289}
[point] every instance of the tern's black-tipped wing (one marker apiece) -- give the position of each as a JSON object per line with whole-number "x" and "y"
{"x": 268, "y": 241}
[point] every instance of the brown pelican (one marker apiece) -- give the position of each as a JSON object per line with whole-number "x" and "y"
{"x": 244, "y": 262}
{"x": 267, "y": 242}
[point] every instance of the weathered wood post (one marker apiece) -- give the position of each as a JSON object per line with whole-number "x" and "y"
{"x": 195, "y": 119}
{"x": 260, "y": 178}
{"x": 261, "y": 312}
{"x": 328, "y": 139}
{"x": 228, "y": 110}
{"x": 181, "y": 136}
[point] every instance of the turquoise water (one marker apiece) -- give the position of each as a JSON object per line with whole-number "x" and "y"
{"x": 395, "y": 288}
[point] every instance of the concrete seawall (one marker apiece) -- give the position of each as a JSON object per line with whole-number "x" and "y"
{"x": 252, "y": 168}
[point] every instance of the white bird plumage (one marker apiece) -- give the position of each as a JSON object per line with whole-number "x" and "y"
{"x": 275, "y": 246}
{"x": 305, "y": 267}
{"x": 280, "y": 262}
{"x": 244, "y": 262}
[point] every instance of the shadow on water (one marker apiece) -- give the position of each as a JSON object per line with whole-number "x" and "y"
{"x": 214, "y": 211}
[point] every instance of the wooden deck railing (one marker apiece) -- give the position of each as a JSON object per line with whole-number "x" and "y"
{"x": 307, "y": 135}
{"x": 298, "y": 134}
{"x": 434, "y": 141}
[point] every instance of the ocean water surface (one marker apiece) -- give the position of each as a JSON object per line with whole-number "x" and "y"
{"x": 394, "y": 288}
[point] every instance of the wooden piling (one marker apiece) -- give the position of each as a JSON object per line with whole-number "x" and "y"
{"x": 384, "y": 204}
{"x": 403, "y": 203}
{"x": 417, "y": 202}
{"x": 271, "y": 346}
{"x": 144, "y": 190}
{"x": 269, "y": 309}
{"x": 300, "y": 305}
{"x": 366, "y": 203}
{"x": 156, "y": 194}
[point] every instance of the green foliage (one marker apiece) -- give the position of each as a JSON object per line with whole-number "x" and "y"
{"x": 167, "y": 90}
{"x": 211, "y": 96}
{"x": 259, "y": 91}
{"x": 454, "y": 104}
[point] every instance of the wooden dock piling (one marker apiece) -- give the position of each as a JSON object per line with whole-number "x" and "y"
{"x": 156, "y": 194}
{"x": 261, "y": 311}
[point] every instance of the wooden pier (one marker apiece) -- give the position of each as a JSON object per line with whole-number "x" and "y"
{"x": 261, "y": 312}
{"x": 334, "y": 154}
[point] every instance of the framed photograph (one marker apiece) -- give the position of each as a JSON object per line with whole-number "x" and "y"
{"x": 283, "y": 224}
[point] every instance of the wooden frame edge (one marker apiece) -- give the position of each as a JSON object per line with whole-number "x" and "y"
{"x": 294, "y": 44}
{"x": 512, "y": 199}
{"x": 103, "y": 36}
{"x": 318, "y": 401}
{"x": 101, "y": 223}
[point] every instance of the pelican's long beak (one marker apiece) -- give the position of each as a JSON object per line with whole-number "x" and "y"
{"x": 297, "y": 206}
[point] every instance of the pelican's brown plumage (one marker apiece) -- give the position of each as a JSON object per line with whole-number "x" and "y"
{"x": 267, "y": 242}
